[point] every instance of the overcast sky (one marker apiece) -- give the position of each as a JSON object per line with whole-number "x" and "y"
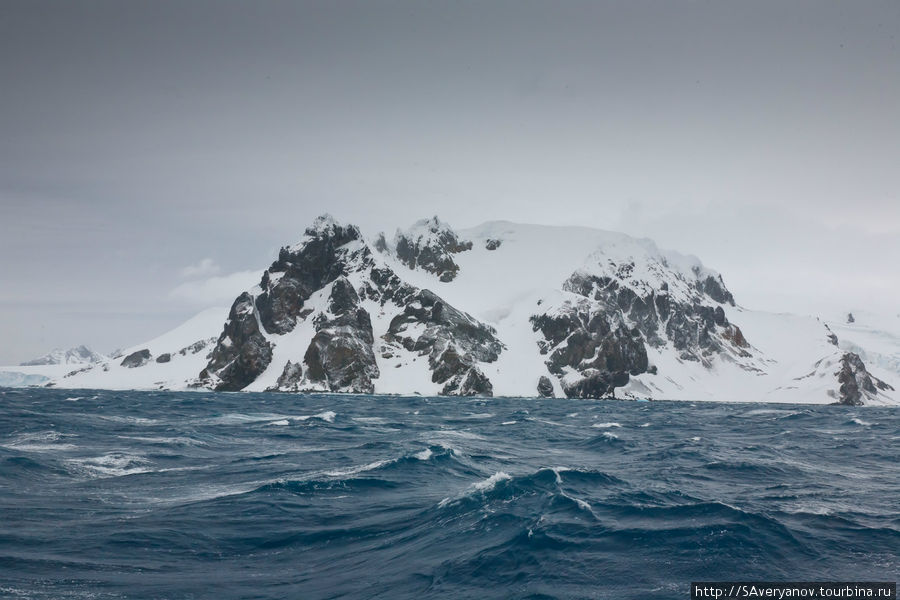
{"x": 153, "y": 154}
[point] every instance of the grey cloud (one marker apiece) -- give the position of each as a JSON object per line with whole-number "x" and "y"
{"x": 137, "y": 138}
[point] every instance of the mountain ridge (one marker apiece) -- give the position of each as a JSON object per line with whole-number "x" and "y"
{"x": 506, "y": 309}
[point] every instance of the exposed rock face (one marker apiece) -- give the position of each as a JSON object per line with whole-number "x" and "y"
{"x": 197, "y": 346}
{"x": 474, "y": 383}
{"x": 290, "y": 379}
{"x": 301, "y": 270}
{"x": 596, "y": 340}
{"x": 832, "y": 338}
{"x": 381, "y": 243}
{"x": 164, "y": 358}
{"x": 492, "y": 244}
{"x": 695, "y": 327}
{"x": 590, "y": 350}
{"x": 545, "y": 387}
{"x": 452, "y": 340}
{"x": 136, "y": 359}
{"x": 340, "y": 355}
{"x": 242, "y": 352}
{"x": 594, "y": 383}
{"x": 715, "y": 288}
{"x": 856, "y": 383}
{"x": 430, "y": 245}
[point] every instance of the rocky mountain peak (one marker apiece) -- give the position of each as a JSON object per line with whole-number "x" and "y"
{"x": 329, "y": 250}
{"x": 326, "y": 227}
{"x": 430, "y": 245}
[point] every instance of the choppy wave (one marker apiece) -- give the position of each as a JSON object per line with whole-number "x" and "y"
{"x": 114, "y": 464}
{"x": 149, "y": 495}
{"x": 40, "y": 441}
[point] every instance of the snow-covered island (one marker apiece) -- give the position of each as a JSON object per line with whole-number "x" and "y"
{"x": 504, "y": 309}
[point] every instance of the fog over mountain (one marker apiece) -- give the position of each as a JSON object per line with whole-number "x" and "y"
{"x": 154, "y": 156}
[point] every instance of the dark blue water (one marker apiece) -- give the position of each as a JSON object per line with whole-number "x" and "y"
{"x": 190, "y": 495}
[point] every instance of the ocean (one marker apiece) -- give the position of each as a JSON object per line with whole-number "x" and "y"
{"x": 262, "y": 496}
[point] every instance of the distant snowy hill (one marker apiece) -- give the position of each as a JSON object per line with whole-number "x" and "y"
{"x": 52, "y": 365}
{"x": 78, "y": 355}
{"x": 505, "y": 309}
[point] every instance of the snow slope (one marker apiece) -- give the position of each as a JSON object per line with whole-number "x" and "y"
{"x": 512, "y": 272}
{"x": 185, "y": 361}
{"x": 876, "y": 338}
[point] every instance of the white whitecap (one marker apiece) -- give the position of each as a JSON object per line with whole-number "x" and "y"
{"x": 581, "y": 503}
{"x": 369, "y": 420}
{"x": 357, "y": 470}
{"x": 490, "y": 483}
{"x": 327, "y": 415}
{"x": 40, "y": 441}
{"x": 114, "y": 464}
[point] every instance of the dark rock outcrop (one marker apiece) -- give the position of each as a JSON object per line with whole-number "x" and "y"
{"x": 197, "y": 346}
{"x": 242, "y": 352}
{"x": 856, "y": 383}
{"x": 290, "y": 379}
{"x": 545, "y": 387}
{"x": 492, "y": 244}
{"x": 430, "y": 246}
{"x": 603, "y": 334}
{"x": 299, "y": 271}
{"x": 715, "y": 288}
{"x": 340, "y": 355}
{"x": 473, "y": 383}
{"x": 164, "y": 358}
{"x": 136, "y": 359}
{"x": 832, "y": 338}
{"x": 381, "y": 243}
{"x": 696, "y": 328}
{"x": 452, "y": 340}
{"x": 595, "y": 384}
{"x": 595, "y": 343}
